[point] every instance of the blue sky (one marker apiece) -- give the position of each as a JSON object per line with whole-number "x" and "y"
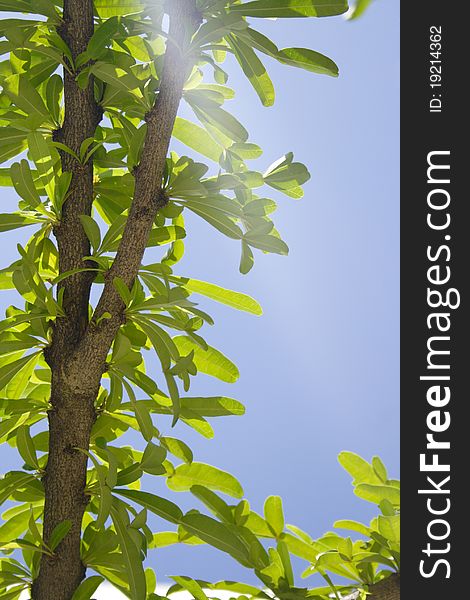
{"x": 320, "y": 369}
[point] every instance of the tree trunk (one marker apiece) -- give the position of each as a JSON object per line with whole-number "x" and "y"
{"x": 70, "y": 423}
{"x": 72, "y": 412}
{"x": 77, "y": 355}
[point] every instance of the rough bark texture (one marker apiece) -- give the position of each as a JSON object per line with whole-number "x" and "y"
{"x": 82, "y": 116}
{"x": 79, "y": 349}
{"x": 387, "y": 589}
{"x": 72, "y": 413}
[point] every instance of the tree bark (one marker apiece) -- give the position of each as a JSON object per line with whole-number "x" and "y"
{"x": 72, "y": 413}
{"x": 77, "y": 355}
{"x": 148, "y": 197}
{"x": 387, "y": 589}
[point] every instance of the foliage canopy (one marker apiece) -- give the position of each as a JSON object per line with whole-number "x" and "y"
{"x": 90, "y": 94}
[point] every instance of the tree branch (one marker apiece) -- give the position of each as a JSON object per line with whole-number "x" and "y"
{"x": 148, "y": 197}
{"x": 82, "y": 116}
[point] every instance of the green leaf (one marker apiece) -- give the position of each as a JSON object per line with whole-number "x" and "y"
{"x": 360, "y": 470}
{"x": 352, "y": 526}
{"x": 24, "y": 184}
{"x": 246, "y": 151}
{"x": 210, "y": 361}
{"x": 58, "y": 534}
{"x": 197, "y": 138}
{"x": 8, "y": 371}
{"x": 164, "y": 538}
{"x": 191, "y": 586}
{"x": 379, "y": 469}
{"x": 15, "y": 390}
{"x": 290, "y": 8}
{"x": 142, "y": 414}
{"x": 153, "y": 458}
{"x": 267, "y": 243}
{"x": 215, "y": 28}
{"x": 308, "y": 60}
{"x": 247, "y": 259}
{"x": 210, "y": 114}
{"x": 26, "y": 446}
{"x": 161, "y": 341}
{"x": 113, "y": 234}
{"x": 92, "y": 231}
{"x": 219, "y": 294}
{"x": 111, "y": 8}
{"x": 274, "y": 515}
{"x": 105, "y": 493}
{"x": 13, "y": 593}
{"x": 378, "y": 493}
{"x": 258, "y": 41}
{"x": 26, "y": 544}
{"x": 218, "y": 535}
{"x": 284, "y": 555}
{"x": 15, "y": 525}
{"x": 102, "y": 37}
{"x": 300, "y": 548}
{"x": 25, "y": 96}
{"x": 178, "y": 448}
{"x": 122, "y": 80}
{"x": 360, "y": 8}
{"x": 41, "y": 154}
{"x": 254, "y": 70}
{"x": 287, "y": 176}
{"x": 216, "y": 218}
{"x": 159, "y": 506}
{"x": 12, "y": 143}
{"x": 122, "y": 290}
{"x": 130, "y": 553}
{"x": 39, "y": 7}
{"x": 88, "y": 587}
{"x": 218, "y": 506}
{"x": 54, "y": 89}
{"x": 185, "y": 476}
{"x": 389, "y": 527}
{"x": 214, "y": 406}
{"x": 387, "y": 508}
{"x": 166, "y": 235}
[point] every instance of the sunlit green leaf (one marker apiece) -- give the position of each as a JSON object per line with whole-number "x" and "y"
{"x": 197, "y": 138}
{"x": 210, "y": 361}
{"x": 130, "y": 552}
{"x": 235, "y": 299}
{"x": 274, "y": 515}
{"x": 308, "y": 60}
{"x": 87, "y": 588}
{"x": 185, "y": 476}
{"x": 291, "y": 8}
{"x": 216, "y": 534}
{"x": 254, "y": 70}
{"x": 160, "y": 506}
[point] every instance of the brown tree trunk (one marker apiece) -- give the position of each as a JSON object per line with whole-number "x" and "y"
{"x": 77, "y": 355}
{"x": 72, "y": 413}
